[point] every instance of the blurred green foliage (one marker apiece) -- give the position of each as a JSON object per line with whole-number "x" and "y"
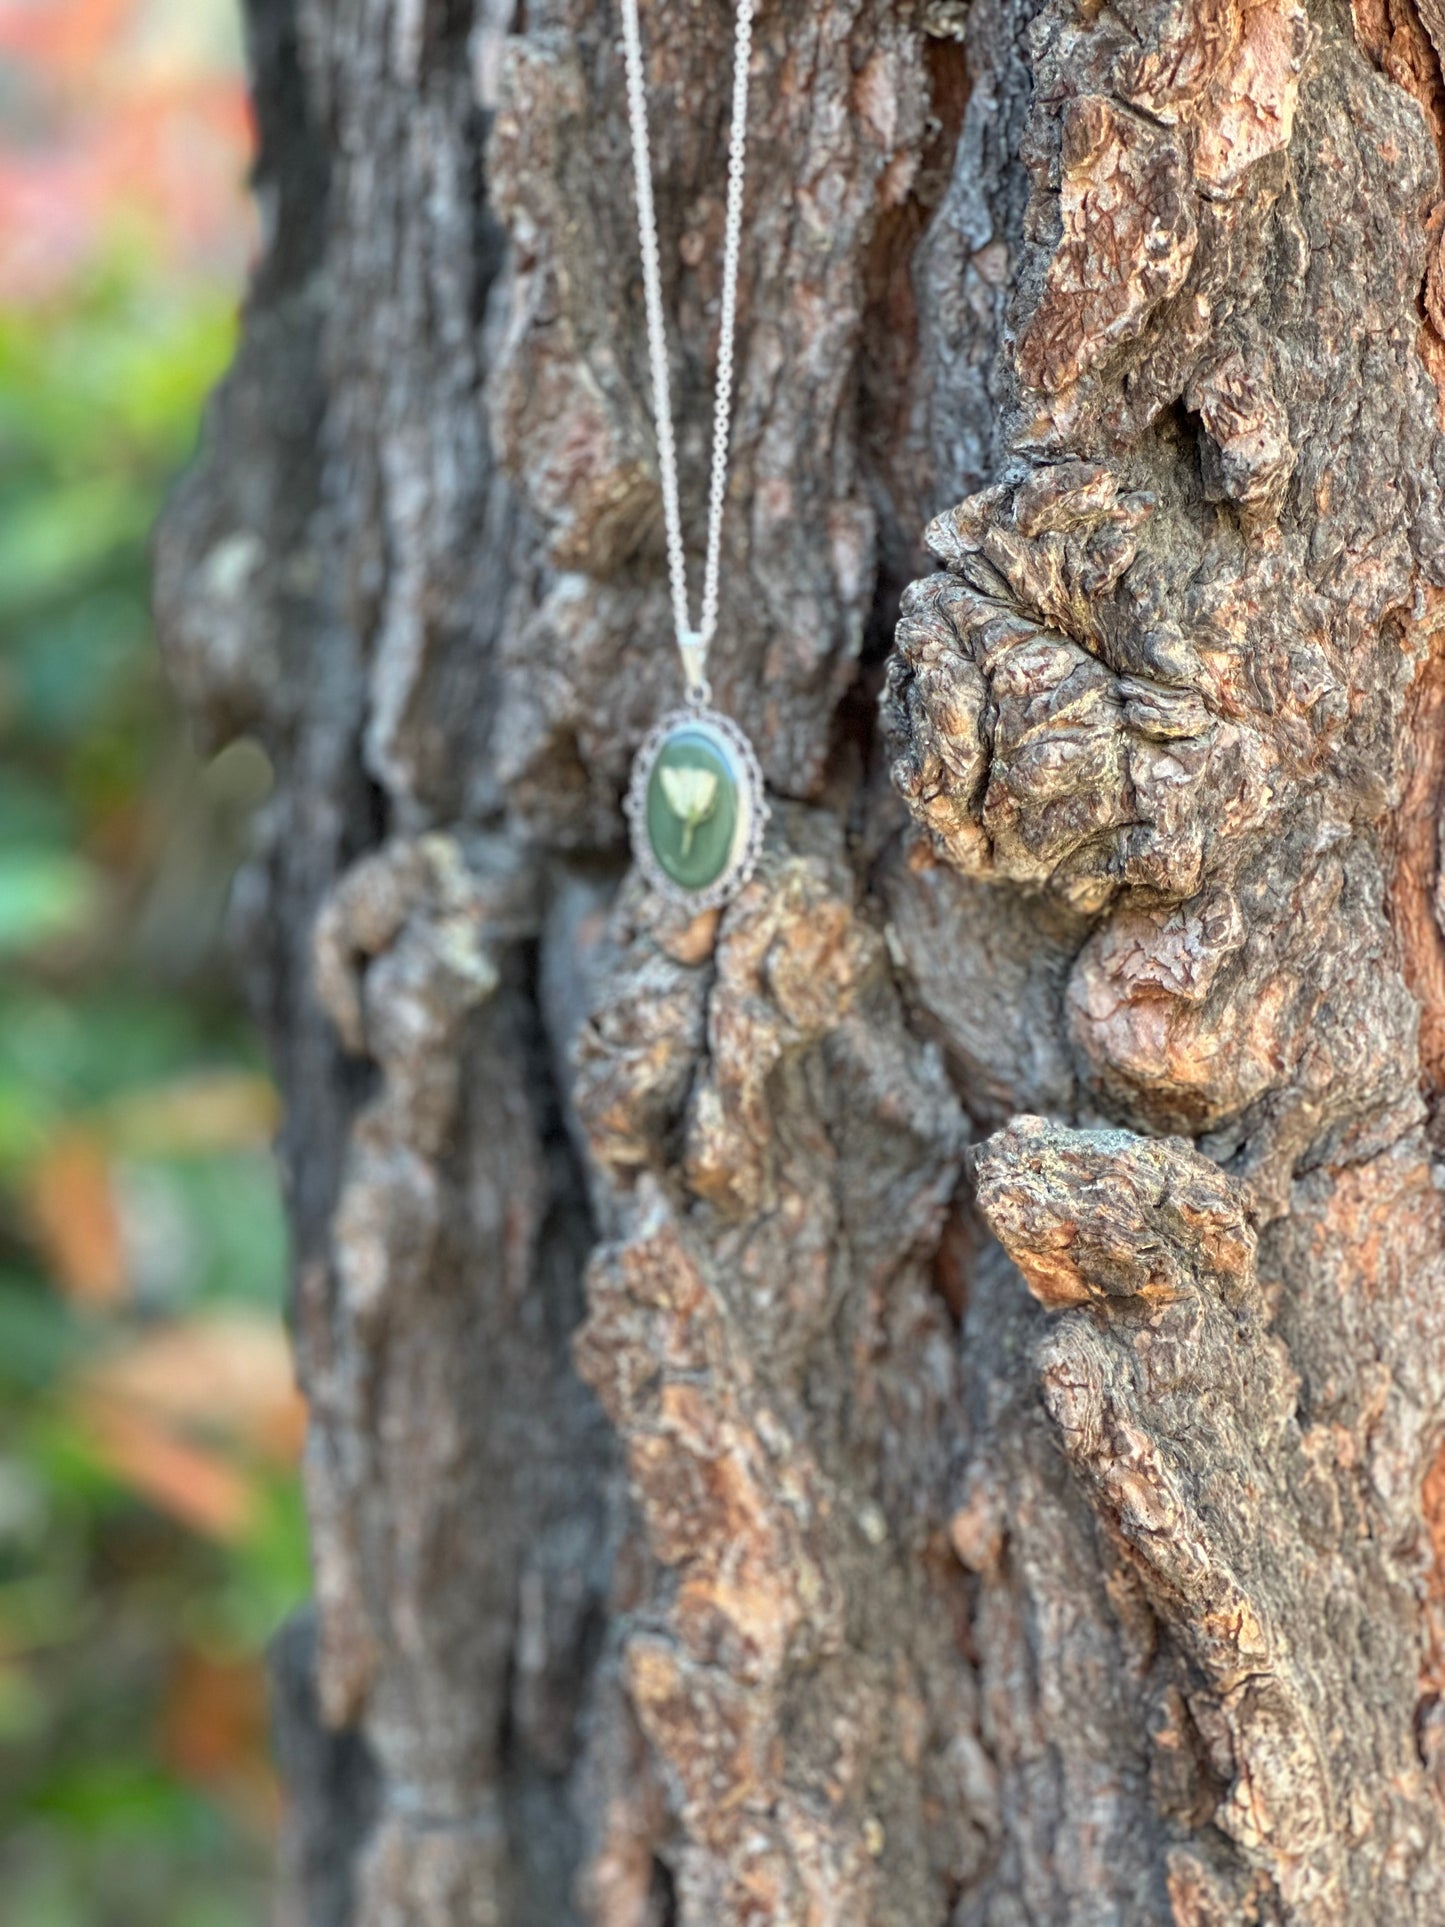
{"x": 150, "y": 1526}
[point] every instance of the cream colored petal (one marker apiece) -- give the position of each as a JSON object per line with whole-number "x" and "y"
{"x": 691, "y": 793}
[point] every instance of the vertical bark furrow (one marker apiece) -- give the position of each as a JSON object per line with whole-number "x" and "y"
{"x": 459, "y": 1649}
{"x": 456, "y": 1463}
{"x": 352, "y": 543}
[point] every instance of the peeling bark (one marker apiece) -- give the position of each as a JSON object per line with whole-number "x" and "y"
{"x": 918, "y": 1399}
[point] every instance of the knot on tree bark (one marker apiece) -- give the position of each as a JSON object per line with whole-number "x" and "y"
{"x": 1105, "y": 1218}
{"x": 1152, "y": 704}
{"x": 1054, "y": 723}
{"x": 1078, "y": 708}
{"x": 406, "y": 943}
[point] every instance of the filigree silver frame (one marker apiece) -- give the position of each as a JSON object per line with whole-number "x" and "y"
{"x": 753, "y": 811}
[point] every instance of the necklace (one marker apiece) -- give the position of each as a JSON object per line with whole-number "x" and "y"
{"x": 696, "y": 804}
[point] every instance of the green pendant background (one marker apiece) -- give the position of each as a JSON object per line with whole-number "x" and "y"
{"x": 712, "y": 842}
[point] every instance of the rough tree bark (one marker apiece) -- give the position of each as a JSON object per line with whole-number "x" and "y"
{"x": 916, "y": 1401}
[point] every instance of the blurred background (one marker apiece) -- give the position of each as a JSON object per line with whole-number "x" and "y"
{"x": 150, "y": 1527}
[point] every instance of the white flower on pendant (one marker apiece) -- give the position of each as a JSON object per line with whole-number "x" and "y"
{"x": 692, "y": 797}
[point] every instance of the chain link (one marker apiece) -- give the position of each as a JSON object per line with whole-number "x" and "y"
{"x": 692, "y": 643}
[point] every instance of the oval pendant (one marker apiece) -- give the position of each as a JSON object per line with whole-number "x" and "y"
{"x": 697, "y": 808}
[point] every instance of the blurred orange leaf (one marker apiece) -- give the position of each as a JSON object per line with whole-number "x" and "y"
{"x": 76, "y": 1220}
{"x": 226, "y": 1375}
{"x": 219, "y": 1111}
{"x": 133, "y": 128}
{"x": 191, "y": 1482}
{"x": 181, "y": 1414}
{"x": 214, "y": 1730}
{"x": 64, "y": 34}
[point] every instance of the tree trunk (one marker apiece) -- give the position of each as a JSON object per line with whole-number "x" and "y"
{"x": 916, "y": 1400}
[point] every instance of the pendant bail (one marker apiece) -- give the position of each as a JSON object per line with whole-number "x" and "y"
{"x": 693, "y": 650}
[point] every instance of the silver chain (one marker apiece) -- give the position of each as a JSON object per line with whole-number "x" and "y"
{"x": 692, "y": 643}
